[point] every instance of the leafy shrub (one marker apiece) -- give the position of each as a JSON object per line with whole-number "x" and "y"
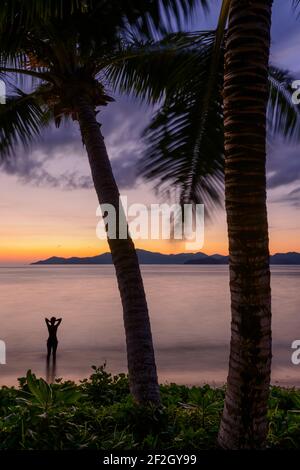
{"x": 99, "y": 413}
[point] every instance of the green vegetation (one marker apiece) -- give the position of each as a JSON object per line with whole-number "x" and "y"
{"x": 99, "y": 413}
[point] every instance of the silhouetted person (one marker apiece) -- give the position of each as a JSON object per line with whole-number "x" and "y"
{"x": 52, "y": 342}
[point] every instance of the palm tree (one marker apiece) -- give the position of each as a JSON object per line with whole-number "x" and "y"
{"x": 187, "y": 152}
{"x": 66, "y": 48}
{"x": 244, "y": 424}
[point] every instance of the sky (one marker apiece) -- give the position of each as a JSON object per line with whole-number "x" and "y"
{"x": 48, "y": 204}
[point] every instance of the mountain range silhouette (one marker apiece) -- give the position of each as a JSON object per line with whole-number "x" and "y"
{"x": 149, "y": 257}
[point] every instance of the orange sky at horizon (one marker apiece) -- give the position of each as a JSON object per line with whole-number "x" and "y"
{"x": 14, "y": 253}
{"x": 40, "y": 222}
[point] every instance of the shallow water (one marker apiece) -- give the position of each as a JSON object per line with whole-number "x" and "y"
{"x": 190, "y": 314}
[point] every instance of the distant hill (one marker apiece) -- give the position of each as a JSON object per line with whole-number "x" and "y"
{"x": 286, "y": 258}
{"x": 145, "y": 257}
{"x": 213, "y": 259}
{"x": 148, "y": 257}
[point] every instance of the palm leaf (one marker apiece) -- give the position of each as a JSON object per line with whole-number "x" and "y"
{"x": 161, "y": 15}
{"x": 283, "y": 115}
{"x": 44, "y": 9}
{"x": 185, "y": 138}
{"x": 22, "y": 119}
{"x": 296, "y": 4}
{"x": 182, "y": 136}
{"x": 18, "y": 16}
{"x": 39, "y": 9}
{"x": 143, "y": 14}
{"x": 148, "y": 70}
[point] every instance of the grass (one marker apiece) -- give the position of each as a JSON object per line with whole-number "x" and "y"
{"x": 99, "y": 413}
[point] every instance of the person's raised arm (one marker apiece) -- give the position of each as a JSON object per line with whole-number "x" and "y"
{"x": 58, "y": 321}
{"x": 47, "y": 321}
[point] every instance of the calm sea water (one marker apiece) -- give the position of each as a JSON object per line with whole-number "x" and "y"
{"x": 190, "y": 314}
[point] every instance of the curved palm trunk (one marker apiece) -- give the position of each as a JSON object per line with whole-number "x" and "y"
{"x": 244, "y": 421}
{"x": 140, "y": 352}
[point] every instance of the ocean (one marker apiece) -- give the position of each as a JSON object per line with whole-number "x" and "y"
{"x": 190, "y": 315}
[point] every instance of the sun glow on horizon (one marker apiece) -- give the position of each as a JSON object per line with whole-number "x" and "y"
{"x": 38, "y": 223}
{"x": 16, "y": 251}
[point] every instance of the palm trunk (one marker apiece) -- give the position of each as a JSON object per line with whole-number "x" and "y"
{"x": 140, "y": 352}
{"x": 244, "y": 421}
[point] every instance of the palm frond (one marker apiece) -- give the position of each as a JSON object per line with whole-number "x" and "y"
{"x": 39, "y": 9}
{"x": 22, "y": 71}
{"x": 17, "y": 17}
{"x": 22, "y": 119}
{"x": 149, "y": 70}
{"x": 185, "y": 138}
{"x": 161, "y": 15}
{"x": 283, "y": 115}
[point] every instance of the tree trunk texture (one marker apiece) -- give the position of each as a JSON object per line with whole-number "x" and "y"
{"x": 140, "y": 352}
{"x": 244, "y": 422}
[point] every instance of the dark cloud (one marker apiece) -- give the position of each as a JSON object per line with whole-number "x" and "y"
{"x": 42, "y": 178}
{"x": 32, "y": 171}
{"x": 294, "y": 197}
{"x": 59, "y": 159}
{"x": 125, "y": 171}
{"x": 41, "y": 165}
{"x": 284, "y": 173}
{"x": 285, "y": 21}
{"x": 283, "y": 164}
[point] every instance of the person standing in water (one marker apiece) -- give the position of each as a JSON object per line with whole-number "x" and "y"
{"x": 52, "y": 342}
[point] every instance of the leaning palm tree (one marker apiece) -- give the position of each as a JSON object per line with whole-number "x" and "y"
{"x": 186, "y": 153}
{"x": 66, "y": 48}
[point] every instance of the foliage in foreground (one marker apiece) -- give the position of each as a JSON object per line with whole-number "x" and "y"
{"x": 98, "y": 413}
